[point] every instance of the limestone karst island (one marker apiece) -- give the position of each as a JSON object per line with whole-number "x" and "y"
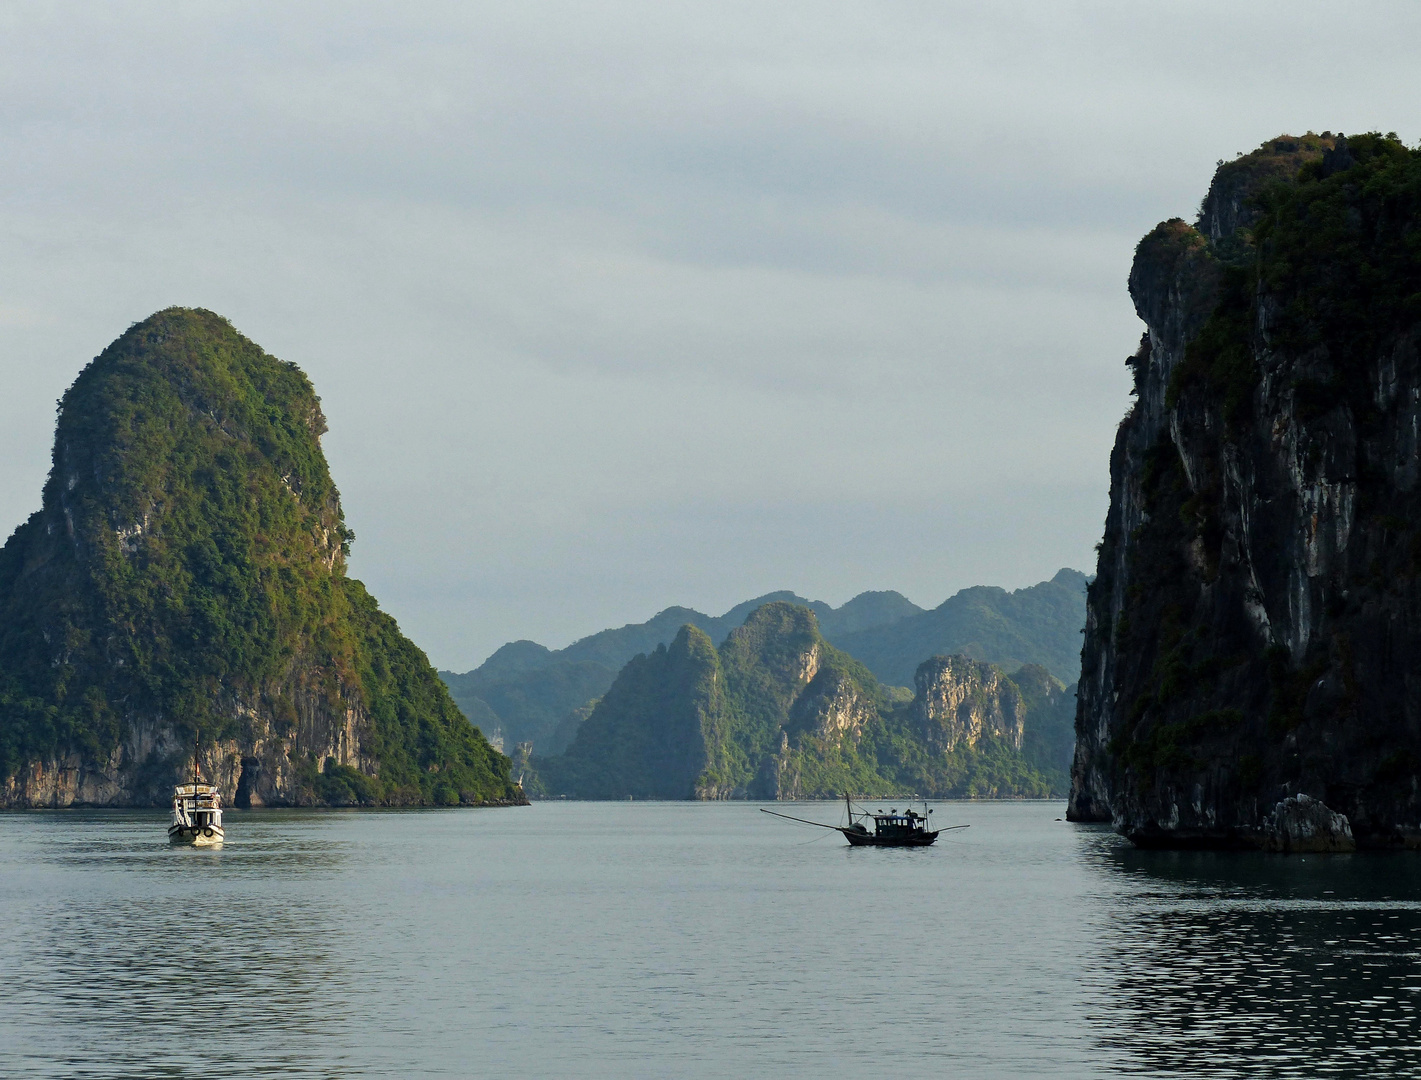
{"x": 182, "y": 592}
{"x": 180, "y": 605}
{"x": 1253, "y": 633}
{"x": 620, "y": 541}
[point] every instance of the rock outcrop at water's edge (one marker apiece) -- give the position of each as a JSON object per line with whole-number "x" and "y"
{"x": 182, "y": 590}
{"x": 1253, "y": 634}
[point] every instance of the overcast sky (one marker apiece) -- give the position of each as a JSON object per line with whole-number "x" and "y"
{"x": 617, "y": 305}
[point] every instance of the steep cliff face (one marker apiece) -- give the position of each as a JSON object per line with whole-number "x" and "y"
{"x": 960, "y": 701}
{"x": 688, "y": 721}
{"x": 829, "y": 703}
{"x": 649, "y": 736}
{"x": 1253, "y": 632}
{"x": 183, "y": 585}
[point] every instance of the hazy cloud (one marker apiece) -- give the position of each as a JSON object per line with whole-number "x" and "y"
{"x": 620, "y": 305}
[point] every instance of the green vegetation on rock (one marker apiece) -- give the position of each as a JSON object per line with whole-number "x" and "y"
{"x": 1040, "y": 625}
{"x": 1253, "y": 619}
{"x": 185, "y": 583}
{"x": 778, "y": 712}
{"x": 527, "y": 693}
{"x": 651, "y": 736}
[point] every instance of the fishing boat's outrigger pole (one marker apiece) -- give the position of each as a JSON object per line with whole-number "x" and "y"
{"x": 806, "y": 821}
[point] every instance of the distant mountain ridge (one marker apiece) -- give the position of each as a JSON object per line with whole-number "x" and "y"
{"x": 526, "y": 692}
{"x": 615, "y": 647}
{"x": 776, "y": 712}
{"x": 1040, "y": 624}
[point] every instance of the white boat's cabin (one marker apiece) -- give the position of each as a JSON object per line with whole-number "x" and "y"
{"x": 197, "y": 807}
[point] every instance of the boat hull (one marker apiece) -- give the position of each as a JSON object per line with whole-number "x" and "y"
{"x": 868, "y": 839}
{"x": 208, "y": 836}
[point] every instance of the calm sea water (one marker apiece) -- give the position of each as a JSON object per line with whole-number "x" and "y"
{"x": 690, "y": 940}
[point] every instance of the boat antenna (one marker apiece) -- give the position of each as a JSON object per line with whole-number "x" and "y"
{"x": 196, "y": 749}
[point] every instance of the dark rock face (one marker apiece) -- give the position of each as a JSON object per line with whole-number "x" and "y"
{"x": 1254, "y": 630}
{"x": 1229, "y": 206}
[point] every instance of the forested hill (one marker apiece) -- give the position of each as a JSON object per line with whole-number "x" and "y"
{"x": 1036, "y": 625}
{"x": 525, "y": 692}
{"x": 613, "y": 648}
{"x": 778, "y": 713}
{"x": 184, "y": 584}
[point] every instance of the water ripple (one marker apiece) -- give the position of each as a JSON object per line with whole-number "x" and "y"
{"x": 651, "y": 940}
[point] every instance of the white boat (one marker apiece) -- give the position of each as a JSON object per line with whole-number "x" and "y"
{"x": 197, "y": 816}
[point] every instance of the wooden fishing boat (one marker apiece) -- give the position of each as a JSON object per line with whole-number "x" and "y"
{"x": 891, "y": 829}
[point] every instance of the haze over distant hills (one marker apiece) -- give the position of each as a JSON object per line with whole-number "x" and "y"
{"x": 779, "y": 713}
{"x": 525, "y": 692}
{"x": 1036, "y": 625}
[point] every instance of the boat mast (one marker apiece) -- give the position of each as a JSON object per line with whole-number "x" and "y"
{"x": 196, "y": 749}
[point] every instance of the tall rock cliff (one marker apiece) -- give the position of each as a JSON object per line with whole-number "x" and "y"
{"x": 961, "y": 701}
{"x": 799, "y": 711}
{"x": 1253, "y": 635}
{"x": 778, "y": 713}
{"x": 183, "y": 585}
